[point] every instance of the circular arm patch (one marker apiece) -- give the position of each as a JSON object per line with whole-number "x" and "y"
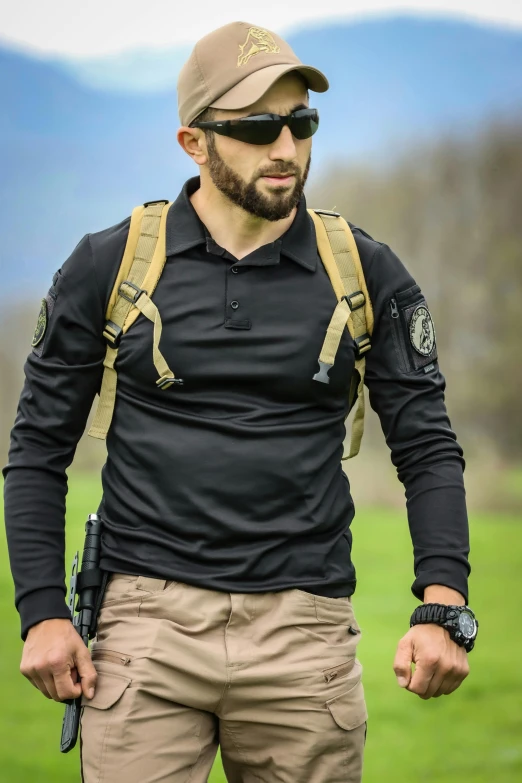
{"x": 41, "y": 324}
{"x": 422, "y": 331}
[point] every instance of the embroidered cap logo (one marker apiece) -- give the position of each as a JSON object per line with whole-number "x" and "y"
{"x": 257, "y": 41}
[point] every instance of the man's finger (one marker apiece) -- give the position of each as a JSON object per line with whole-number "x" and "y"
{"x": 65, "y": 687}
{"x": 452, "y": 686}
{"x": 86, "y": 672}
{"x": 444, "y": 688}
{"x": 439, "y": 682}
{"x": 456, "y": 680}
{"x": 423, "y": 674}
{"x": 403, "y": 661}
{"x": 39, "y": 684}
{"x": 457, "y": 672}
{"x": 57, "y": 677}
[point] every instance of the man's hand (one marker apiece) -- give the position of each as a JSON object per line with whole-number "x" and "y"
{"x": 54, "y": 658}
{"x": 440, "y": 664}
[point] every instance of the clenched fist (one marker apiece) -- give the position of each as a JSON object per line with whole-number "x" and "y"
{"x": 55, "y": 659}
{"x": 440, "y": 664}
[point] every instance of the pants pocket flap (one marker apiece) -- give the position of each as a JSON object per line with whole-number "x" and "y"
{"x": 109, "y": 688}
{"x": 349, "y": 708}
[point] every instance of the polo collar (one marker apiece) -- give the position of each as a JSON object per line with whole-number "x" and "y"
{"x": 185, "y": 230}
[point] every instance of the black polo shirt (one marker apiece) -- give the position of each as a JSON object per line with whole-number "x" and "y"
{"x": 232, "y": 481}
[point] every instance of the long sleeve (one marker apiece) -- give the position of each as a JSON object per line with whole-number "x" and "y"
{"x": 62, "y": 375}
{"x": 406, "y": 389}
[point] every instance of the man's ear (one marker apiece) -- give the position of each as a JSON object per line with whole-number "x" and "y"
{"x": 193, "y": 142}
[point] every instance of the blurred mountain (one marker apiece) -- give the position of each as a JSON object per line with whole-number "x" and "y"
{"x": 78, "y": 151}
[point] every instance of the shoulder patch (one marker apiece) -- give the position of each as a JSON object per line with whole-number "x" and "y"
{"x": 41, "y": 325}
{"x": 422, "y": 330}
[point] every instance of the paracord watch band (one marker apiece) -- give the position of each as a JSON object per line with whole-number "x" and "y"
{"x": 428, "y": 613}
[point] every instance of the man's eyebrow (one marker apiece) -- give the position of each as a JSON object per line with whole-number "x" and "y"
{"x": 258, "y": 112}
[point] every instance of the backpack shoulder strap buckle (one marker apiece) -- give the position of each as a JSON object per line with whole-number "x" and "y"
{"x": 327, "y": 212}
{"x": 112, "y": 334}
{"x": 133, "y": 295}
{"x": 356, "y": 300}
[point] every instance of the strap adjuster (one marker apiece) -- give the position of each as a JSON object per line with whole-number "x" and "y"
{"x": 328, "y": 212}
{"x": 113, "y": 333}
{"x": 166, "y": 381}
{"x": 363, "y": 344}
{"x": 156, "y": 201}
{"x": 355, "y": 300}
{"x": 132, "y": 298}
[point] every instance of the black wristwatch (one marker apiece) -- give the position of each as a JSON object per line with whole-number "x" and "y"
{"x": 459, "y": 621}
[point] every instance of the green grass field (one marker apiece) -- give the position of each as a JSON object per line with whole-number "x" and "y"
{"x": 473, "y": 735}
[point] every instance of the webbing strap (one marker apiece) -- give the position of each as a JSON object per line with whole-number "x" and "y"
{"x": 150, "y": 311}
{"x": 139, "y": 272}
{"x": 358, "y": 418}
{"x": 103, "y": 417}
{"x": 340, "y": 319}
{"x": 340, "y": 257}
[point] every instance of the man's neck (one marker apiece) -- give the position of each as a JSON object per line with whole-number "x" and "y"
{"x": 231, "y": 227}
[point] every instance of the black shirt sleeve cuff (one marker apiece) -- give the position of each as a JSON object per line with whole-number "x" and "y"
{"x": 441, "y": 571}
{"x": 45, "y": 604}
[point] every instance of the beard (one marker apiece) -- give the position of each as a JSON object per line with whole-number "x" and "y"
{"x": 246, "y": 195}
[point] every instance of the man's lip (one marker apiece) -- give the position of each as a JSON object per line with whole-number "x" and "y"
{"x": 278, "y": 176}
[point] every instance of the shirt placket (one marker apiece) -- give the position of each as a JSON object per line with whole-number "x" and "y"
{"x": 236, "y": 304}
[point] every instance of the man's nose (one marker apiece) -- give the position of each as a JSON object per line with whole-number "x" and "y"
{"x": 283, "y": 147}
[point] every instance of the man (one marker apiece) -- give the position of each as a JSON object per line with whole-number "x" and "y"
{"x": 228, "y": 619}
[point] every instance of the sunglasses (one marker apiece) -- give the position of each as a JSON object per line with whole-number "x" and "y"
{"x": 265, "y": 128}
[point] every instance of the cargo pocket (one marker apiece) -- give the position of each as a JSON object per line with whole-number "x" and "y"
{"x": 109, "y": 689}
{"x": 349, "y": 708}
{"x": 102, "y": 724}
{"x": 413, "y": 330}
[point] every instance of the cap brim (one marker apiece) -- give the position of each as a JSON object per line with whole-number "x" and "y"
{"x": 253, "y": 87}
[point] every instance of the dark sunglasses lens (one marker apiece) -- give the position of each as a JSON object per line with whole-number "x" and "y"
{"x": 265, "y": 128}
{"x": 256, "y": 131}
{"x": 304, "y": 123}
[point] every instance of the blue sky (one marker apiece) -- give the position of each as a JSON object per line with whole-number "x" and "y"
{"x": 103, "y": 27}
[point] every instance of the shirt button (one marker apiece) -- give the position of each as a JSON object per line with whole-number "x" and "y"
{"x": 234, "y": 270}
{"x": 234, "y": 305}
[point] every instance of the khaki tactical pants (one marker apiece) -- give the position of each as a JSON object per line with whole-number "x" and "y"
{"x": 271, "y": 678}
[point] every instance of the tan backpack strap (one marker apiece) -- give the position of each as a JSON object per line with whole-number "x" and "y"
{"x": 140, "y": 270}
{"x": 166, "y": 377}
{"x": 339, "y": 254}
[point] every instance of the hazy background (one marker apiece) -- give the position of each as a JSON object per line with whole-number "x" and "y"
{"x": 421, "y": 145}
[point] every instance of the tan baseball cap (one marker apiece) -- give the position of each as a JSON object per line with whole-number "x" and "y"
{"x": 232, "y": 67}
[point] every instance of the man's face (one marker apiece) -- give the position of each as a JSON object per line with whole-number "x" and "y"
{"x": 265, "y": 180}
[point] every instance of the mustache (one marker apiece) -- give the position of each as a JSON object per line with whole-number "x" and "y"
{"x": 281, "y": 171}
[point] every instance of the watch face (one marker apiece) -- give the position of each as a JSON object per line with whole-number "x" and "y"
{"x": 467, "y": 625}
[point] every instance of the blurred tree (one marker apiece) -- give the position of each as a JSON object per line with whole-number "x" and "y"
{"x": 452, "y": 211}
